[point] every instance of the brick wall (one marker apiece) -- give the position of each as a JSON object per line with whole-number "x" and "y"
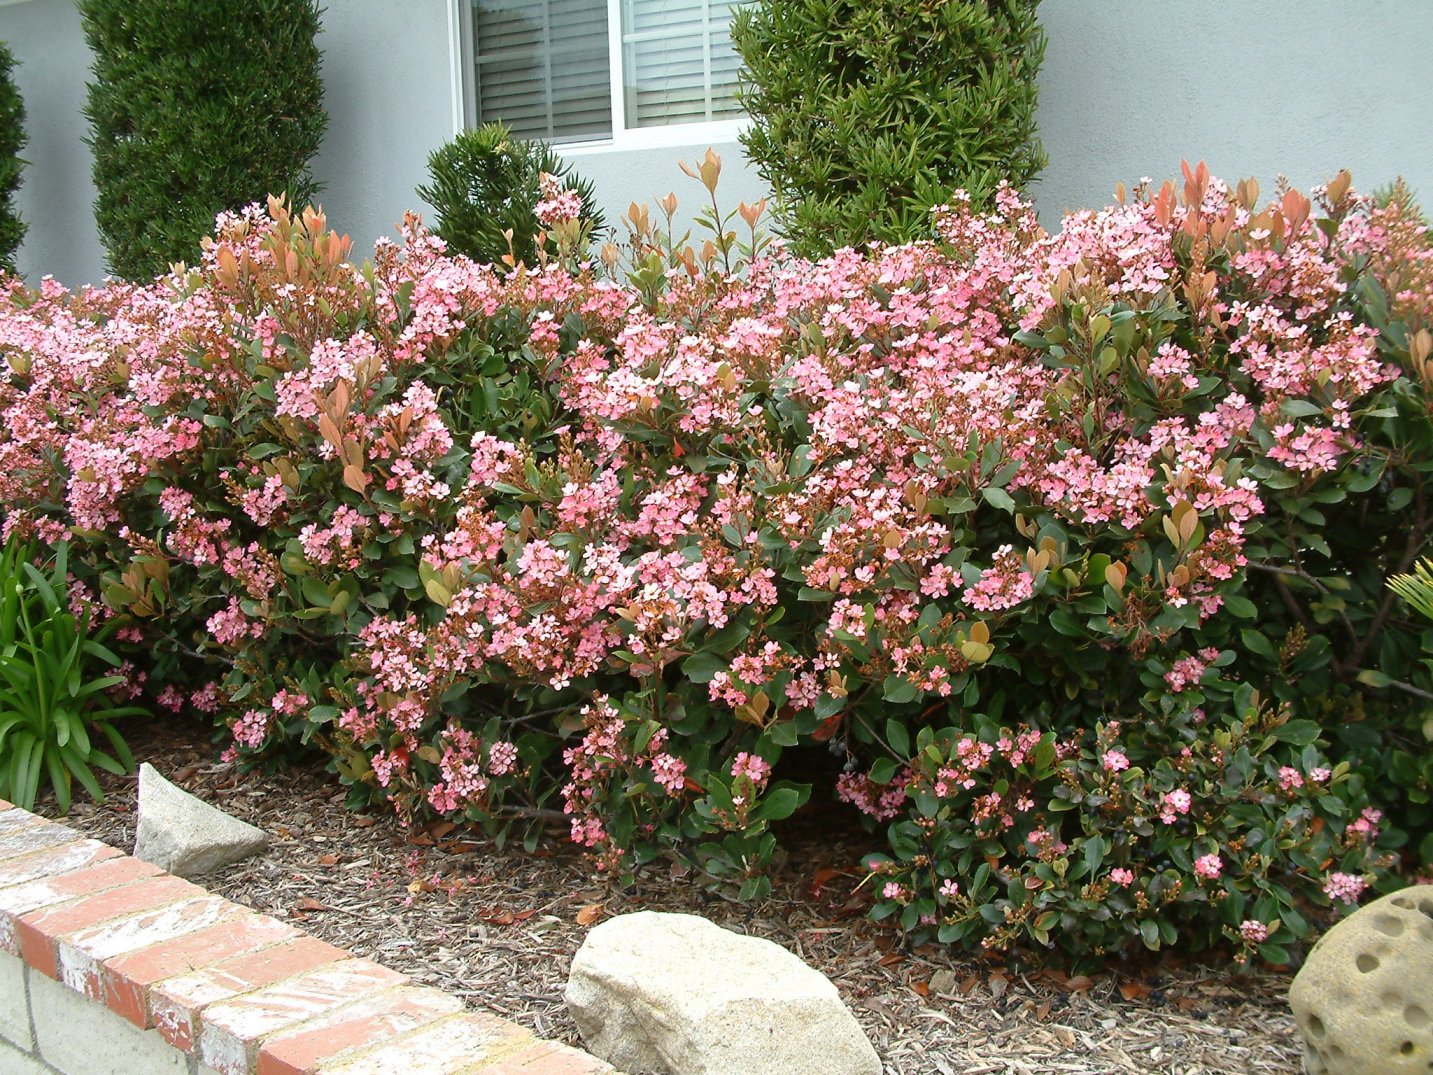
{"x": 109, "y": 966}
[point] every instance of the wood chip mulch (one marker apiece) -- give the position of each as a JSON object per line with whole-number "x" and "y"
{"x": 499, "y": 928}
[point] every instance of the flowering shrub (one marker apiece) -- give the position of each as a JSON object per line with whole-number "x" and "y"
{"x": 1013, "y": 523}
{"x": 1185, "y": 828}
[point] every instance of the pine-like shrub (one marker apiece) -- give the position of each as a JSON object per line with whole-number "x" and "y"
{"x": 486, "y": 183}
{"x": 866, "y": 113}
{"x": 12, "y": 140}
{"x": 195, "y": 107}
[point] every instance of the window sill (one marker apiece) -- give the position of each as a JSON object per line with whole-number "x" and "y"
{"x": 678, "y": 134}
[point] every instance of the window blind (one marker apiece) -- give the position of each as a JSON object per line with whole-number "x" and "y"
{"x": 678, "y": 62}
{"x": 543, "y": 67}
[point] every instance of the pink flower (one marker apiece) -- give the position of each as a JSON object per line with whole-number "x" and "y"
{"x": 1121, "y": 876}
{"x": 502, "y": 759}
{"x": 1346, "y": 887}
{"x": 893, "y": 891}
{"x": 752, "y": 766}
{"x": 670, "y": 772}
{"x": 1208, "y": 866}
{"x": 949, "y": 889}
{"x": 1114, "y": 761}
{"x": 1253, "y": 931}
{"x": 1175, "y": 803}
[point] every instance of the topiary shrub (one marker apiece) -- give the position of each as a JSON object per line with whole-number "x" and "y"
{"x": 12, "y": 140}
{"x": 195, "y": 107}
{"x": 485, "y": 184}
{"x": 1071, "y": 548}
{"x": 866, "y": 113}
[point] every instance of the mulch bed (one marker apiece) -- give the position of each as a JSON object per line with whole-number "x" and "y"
{"x": 499, "y": 928}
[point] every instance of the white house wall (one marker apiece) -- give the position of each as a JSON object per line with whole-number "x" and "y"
{"x": 1256, "y": 87}
{"x": 57, "y": 198}
{"x": 1128, "y": 88}
{"x": 387, "y": 91}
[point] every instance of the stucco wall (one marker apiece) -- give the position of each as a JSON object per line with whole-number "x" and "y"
{"x": 387, "y": 91}
{"x": 1299, "y": 87}
{"x": 644, "y": 175}
{"x": 57, "y": 196}
{"x": 1129, "y": 88}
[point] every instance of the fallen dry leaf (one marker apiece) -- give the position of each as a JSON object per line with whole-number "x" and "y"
{"x": 308, "y": 903}
{"x": 923, "y": 988}
{"x": 1134, "y": 990}
{"x": 590, "y": 913}
{"x": 328, "y": 860}
{"x": 821, "y": 878}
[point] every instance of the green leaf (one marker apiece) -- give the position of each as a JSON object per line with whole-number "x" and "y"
{"x": 780, "y": 803}
{"x": 998, "y": 498}
{"x": 1300, "y": 733}
{"x": 898, "y": 738}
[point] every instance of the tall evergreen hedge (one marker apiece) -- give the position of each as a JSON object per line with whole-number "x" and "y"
{"x": 12, "y": 140}
{"x": 197, "y": 106}
{"x": 865, "y": 113}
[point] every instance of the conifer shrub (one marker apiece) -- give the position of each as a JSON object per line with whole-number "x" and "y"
{"x": 12, "y": 140}
{"x": 487, "y": 188}
{"x": 866, "y": 113}
{"x": 197, "y": 107}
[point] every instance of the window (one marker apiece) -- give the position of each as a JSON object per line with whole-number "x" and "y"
{"x": 622, "y": 72}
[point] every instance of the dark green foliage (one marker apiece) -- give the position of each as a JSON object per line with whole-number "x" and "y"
{"x": 53, "y": 685}
{"x": 865, "y": 113}
{"x": 12, "y": 140}
{"x": 197, "y": 106}
{"x": 485, "y": 182}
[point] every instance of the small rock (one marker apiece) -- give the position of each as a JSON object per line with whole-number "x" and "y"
{"x": 674, "y": 993}
{"x": 942, "y": 982}
{"x": 186, "y": 836}
{"x": 1364, "y": 998}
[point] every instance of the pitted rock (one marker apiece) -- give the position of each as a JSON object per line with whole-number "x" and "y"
{"x": 676, "y": 994}
{"x": 1364, "y": 998}
{"x": 186, "y": 836}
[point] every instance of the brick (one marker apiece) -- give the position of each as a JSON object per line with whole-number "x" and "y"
{"x": 459, "y": 1043}
{"x": 175, "y": 1004}
{"x": 127, "y": 979}
{"x": 30, "y": 834}
{"x": 546, "y": 1058}
{"x": 79, "y": 1037}
{"x": 54, "y": 860}
{"x": 356, "y": 1026}
{"x": 18, "y": 819}
{"x": 38, "y": 931}
{"x": 230, "y": 1030}
{"x": 48, "y": 891}
{"x": 81, "y": 955}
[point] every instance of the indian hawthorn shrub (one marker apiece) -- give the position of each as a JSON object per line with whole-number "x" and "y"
{"x": 1068, "y": 547}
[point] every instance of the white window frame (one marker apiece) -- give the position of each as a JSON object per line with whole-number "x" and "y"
{"x": 623, "y": 138}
